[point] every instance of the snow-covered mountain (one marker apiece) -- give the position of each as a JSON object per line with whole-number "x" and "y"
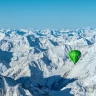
{"x": 37, "y": 63}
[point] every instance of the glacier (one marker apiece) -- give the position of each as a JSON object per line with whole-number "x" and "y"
{"x": 37, "y": 63}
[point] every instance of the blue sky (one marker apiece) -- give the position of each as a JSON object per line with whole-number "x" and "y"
{"x": 42, "y": 14}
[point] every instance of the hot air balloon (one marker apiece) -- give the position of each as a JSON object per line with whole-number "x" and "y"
{"x": 75, "y": 55}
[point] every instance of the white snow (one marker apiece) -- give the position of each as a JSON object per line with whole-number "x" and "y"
{"x": 1, "y": 36}
{"x": 37, "y": 63}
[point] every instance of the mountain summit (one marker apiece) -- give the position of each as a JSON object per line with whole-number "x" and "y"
{"x": 37, "y": 63}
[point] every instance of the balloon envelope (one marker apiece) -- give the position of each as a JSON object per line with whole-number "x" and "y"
{"x": 75, "y": 55}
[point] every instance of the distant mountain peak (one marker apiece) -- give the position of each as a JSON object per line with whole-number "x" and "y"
{"x": 36, "y": 62}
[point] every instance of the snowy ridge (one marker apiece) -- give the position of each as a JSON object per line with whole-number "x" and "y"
{"x": 37, "y": 63}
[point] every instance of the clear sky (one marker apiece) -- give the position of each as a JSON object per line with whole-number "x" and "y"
{"x": 57, "y": 14}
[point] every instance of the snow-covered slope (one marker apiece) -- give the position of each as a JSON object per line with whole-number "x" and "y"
{"x": 37, "y": 63}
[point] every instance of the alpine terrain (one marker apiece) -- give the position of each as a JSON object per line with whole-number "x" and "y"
{"x": 37, "y": 62}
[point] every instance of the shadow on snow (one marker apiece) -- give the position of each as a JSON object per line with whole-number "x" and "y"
{"x": 36, "y": 83}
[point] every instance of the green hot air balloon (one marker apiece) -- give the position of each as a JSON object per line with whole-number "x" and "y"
{"x": 75, "y": 55}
